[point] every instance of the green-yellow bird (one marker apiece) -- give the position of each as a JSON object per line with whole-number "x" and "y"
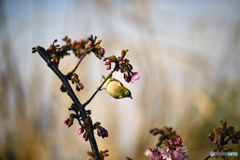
{"x": 115, "y": 88}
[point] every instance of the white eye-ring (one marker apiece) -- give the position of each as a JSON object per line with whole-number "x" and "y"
{"x": 126, "y": 92}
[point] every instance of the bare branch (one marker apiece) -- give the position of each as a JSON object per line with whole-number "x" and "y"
{"x": 98, "y": 89}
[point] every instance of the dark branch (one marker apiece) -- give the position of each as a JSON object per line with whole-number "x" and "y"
{"x": 72, "y": 95}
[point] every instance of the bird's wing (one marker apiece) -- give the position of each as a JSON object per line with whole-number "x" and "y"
{"x": 113, "y": 79}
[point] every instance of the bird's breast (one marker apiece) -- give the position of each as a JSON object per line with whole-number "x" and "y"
{"x": 113, "y": 89}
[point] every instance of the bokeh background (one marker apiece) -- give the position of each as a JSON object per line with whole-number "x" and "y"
{"x": 188, "y": 53}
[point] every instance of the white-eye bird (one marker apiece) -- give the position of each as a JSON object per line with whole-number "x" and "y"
{"x": 115, "y": 88}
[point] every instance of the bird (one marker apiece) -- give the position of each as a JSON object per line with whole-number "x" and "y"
{"x": 116, "y": 89}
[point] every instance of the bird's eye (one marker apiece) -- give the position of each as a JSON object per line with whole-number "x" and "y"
{"x": 126, "y": 92}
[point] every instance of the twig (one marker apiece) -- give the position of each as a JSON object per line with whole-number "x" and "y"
{"x": 72, "y": 95}
{"x": 209, "y": 155}
{"x": 74, "y": 69}
{"x": 98, "y": 89}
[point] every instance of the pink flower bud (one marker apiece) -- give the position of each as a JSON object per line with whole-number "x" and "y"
{"x": 104, "y": 59}
{"x": 102, "y": 50}
{"x": 82, "y": 52}
{"x": 210, "y": 135}
{"x": 179, "y": 139}
{"x": 108, "y": 67}
{"x": 56, "y": 61}
{"x": 175, "y": 142}
{"x": 80, "y": 130}
{"x": 108, "y": 62}
{"x": 81, "y": 86}
{"x": 66, "y": 121}
{"x": 106, "y": 133}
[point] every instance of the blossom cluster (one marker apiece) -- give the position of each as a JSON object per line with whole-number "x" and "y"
{"x": 101, "y": 132}
{"x": 169, "y": 146}
{"x": 69, "y": 121}
{"x": 168, "y": 137}
{"x": 122, "y": 64}
{"x": 81, "y": 47}
{"x": 219, "y": 135}
{"x": 166, "y": 153}
{"x": 74, "y": 79}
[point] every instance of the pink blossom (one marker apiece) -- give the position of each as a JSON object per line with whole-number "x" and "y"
{"x": 180, "y": 153}
{"x": 149, "y": 153}
{"x": 135, "y": 76}
{"x": 166, "y": 154}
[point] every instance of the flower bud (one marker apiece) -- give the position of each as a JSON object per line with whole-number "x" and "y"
{"x": 175, "y": 142}
{"x": 99, "y": 133}
{"x": 62, "y": 88}
{"x": 216, "y": 141}
{"x": 77, "y": 88}
{"x": 108, "y": 67}
{"x": 104, "y": 59}
{"x": 234, "y": 141}
{"x": 210, "y": 135}
{"x": 108, "y": 62}
{"x": 151, "y": 131}
{"x": 179, "y": 139}
{"x": 81, "y": 86}
{"x": 80, "y": 130}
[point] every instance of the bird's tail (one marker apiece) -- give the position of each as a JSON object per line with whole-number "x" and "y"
{"x": 103, "y": 78}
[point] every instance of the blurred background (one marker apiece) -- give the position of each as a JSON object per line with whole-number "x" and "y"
{"x": 188, "y": 53}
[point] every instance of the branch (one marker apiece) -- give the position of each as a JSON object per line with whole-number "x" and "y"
{"x": 74, "y": 69}
{"x": 224, "y": 142}
{"x": 99, "y": 88}
{"x": 72, "y": 95}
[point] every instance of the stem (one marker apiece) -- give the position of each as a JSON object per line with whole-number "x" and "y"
{"x": 99, "y": 88}
{"x": 72, "y": 95}
{"x": 74, "y": 69}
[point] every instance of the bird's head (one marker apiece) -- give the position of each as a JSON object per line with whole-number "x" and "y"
{"x": 126, "y": 93}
